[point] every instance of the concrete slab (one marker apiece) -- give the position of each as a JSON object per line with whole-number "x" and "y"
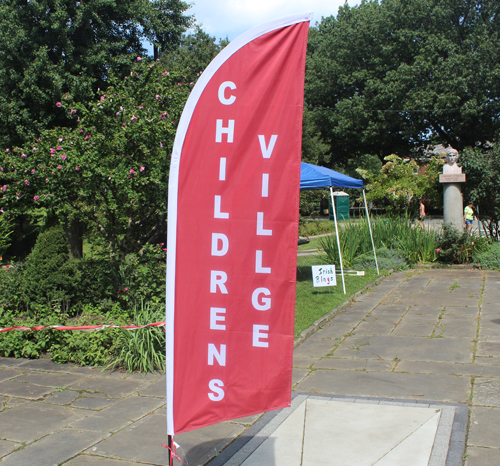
{"x": 93, "y": 403}
{"x": 7, "y": 447}
{"x": 50, "y": 379}
{"x": 24, "y": 390}
{"x": 403, "y": 347}
{"x": 388, "y": 384}
{"x": 298, "y": 375}
{"x": 157, "y": 389}
{"x": 6, "y": 374}
{"x": 61, "y": 397}
{"x": 114, "y": 388}
{"x": 477, "y": 456}
{"x": 53, "y": 449}
{"x": 486, "y": 392}
{"x": 334, "y": 433}
{"x": 30, "y": 421}
{"x": 10, "y": 362}
{"x": 84, "y": 460}
{"x": 428, "y": 367}
{"x": 120, "y": 414}
{"x": 484, "y": 427}
{"x": 486, "y": 348}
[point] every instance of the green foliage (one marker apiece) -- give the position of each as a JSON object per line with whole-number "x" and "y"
{"x": 47, "y": 279}
{"x": 482, "y": 167}
{"x": 387, "y": 259}
{"x": 315, "y": 227}
{"x": 143, "y": 349}
{"x": 50, "y": 48}
{"x": 194, "y": 53}
{"x": 6, "y": 229}
{"x": 399, "y": 185}
{"x": 488, "y": 259}
{"x": 142, "y": 276}
{"x": 390, "y": 76}
{"x": 456, "y": 247}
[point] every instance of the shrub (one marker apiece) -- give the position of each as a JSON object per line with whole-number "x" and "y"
{"x": 387, "y": 259}
{"x": 48, "y": 279}
{"x": 488, "y": 259}
{"x": 457, "y": 247}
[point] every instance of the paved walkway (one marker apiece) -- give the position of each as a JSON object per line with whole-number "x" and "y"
{"x": 408, "y": 374}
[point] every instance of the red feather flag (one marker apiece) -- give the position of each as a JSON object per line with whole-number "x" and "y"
{"x": 232, "y": 231}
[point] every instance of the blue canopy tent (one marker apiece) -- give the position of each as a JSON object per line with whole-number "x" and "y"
{"x": 315, "y": 177}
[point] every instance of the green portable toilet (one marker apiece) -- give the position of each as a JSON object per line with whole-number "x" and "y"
{"x": 341, "y": 200}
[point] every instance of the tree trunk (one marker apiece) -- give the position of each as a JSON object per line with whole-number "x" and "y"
{"x": 74, "y": 234}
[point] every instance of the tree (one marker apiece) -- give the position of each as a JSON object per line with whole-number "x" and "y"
{"x": 194, "y": 53}
{"x": 400, "y": 186}
{"x": 391, "y": 76}
{"x": 49, "y": 48}
{"x": 110, "y": 173}
{"x": 482, "y": 167}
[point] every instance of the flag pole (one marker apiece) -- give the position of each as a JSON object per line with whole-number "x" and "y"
{"x": 371, "y": 234}
{"x": 169, "y": 444}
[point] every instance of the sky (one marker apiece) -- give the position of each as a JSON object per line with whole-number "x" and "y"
{"x": 230, "y": 18}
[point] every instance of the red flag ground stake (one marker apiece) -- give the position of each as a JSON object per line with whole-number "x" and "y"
{"x": 232, "y": 231}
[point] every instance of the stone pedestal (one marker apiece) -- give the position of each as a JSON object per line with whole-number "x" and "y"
{"x": 453, "y": 205}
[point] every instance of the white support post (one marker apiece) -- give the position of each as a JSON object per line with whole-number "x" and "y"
{"x": 338, "y": 239}
{"x": 371, "y": 235}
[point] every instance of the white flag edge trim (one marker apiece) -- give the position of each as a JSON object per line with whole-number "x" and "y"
{"x": 173, "y": 184}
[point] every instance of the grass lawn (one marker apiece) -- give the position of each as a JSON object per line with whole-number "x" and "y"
{"x": 313, "y": 303}
{"x": 313, "y": 244}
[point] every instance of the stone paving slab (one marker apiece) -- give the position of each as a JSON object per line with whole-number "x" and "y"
{"x": 7, "y": 447}
{"x": 93, "y": 403}
{"x": 6, "y": 374}
{"x": 486, "y": 392}
{"x": 114, "y": 388}
{"x": 24, "y": 390}
{"x": 30, "y": 421}
{"x": 482, "y": 457}
{"x": 119, "y": 415}
{"x": 49, "y": 379}
{"x": 62, "y": 397}
{"x": 484, "y": 427}
{"x": 84, "y": 460}
{"x": 431, "y": 367}
{"x": 53, "y": 449}
{"x": 157, "y": 389}
{"x": 387, "y": 384}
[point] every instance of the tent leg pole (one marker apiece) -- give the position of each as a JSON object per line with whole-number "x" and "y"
{"x": 170, "y": 456}
{"x": 371, "y": 234}
{"x": 338, "y": 240}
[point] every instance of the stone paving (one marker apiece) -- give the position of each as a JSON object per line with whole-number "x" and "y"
{"x": 431, "y": 335}
{"x": 423, "y": 335}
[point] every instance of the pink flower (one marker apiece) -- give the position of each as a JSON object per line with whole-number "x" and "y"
{"x": 473, "y": 243}
{"x": 77, "y": 168}
{"x": 59, "y": 148}
{"x": 7, "y": 266}
{"x": 81, "y": 131}
{"x": 133, "y": 118}
{"x": 124, "y": 124}
{"x": 161, "y": 145}
{"x": 117, "y": 113}
{"x": 27, "y": 182}
{"x": 7, "y": 150}
{"x": 4, "y": 188}
{"x": 139, "y": 58}
{"x": 1, "y": 169}
{"x": 132, "y": 171}
{"x": 59, "y": 166}
{"x": 126, "y": 289}
{"x": 23, "y": 155}
{"x": 162, "y": 116}
{"x": 58, "y": 104}
{"x": 144, "y": 168}
{"x": 437, "y": 250}
{"x": 60, "y": 139}
{"x": 140, "y": 107}
{"x": 64, "y": 157}
{"x": 179, "y": 84}
{"x": 73, "y": 111}
{"x": 36, "y": 198}
{"x": 157, "y": 96}
{"x": 35, "y": 148}
{"x": 52, "y": 150}
{"x": 103, "y": 97}
{"x": 32, "y": 170}
{"x": 87, "y": 137}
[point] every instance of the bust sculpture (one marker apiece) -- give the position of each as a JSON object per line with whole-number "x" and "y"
{"x": 451, "y": 166}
